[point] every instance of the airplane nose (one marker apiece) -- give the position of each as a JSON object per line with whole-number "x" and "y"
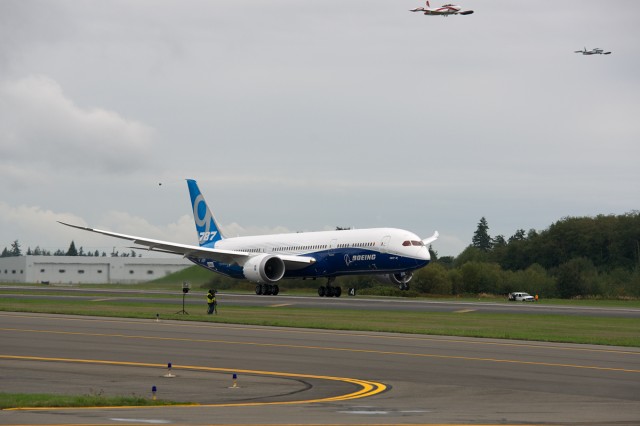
{"x": 424, "y": 254}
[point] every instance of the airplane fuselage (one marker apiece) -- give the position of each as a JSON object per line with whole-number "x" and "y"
{"x": 346, "y": 252}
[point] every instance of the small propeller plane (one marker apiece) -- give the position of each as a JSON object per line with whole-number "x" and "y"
{"x": 444, "y": 10}
{"x": 594, "y": 51}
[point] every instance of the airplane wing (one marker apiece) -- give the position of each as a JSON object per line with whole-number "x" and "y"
{"x": 185, "y": 250}
{"x": 431, "y": 239}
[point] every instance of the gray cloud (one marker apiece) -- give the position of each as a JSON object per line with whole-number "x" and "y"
{"x": 307, "y": 116}
{"x": 41, "y": 128}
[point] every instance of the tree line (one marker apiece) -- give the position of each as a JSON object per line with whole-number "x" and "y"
{"x": 574, "y": 257}
{"x": 16, "y": 250}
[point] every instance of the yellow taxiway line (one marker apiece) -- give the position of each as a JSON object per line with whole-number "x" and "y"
{"x": 367, "y": 388}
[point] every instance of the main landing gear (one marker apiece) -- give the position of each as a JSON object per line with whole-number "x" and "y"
{"x": 329, "y": 290}
{"x": 267, "y": 289}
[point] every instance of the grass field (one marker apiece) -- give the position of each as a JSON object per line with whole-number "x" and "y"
{"x": 37, "y": 400}
{"x": 550, "y": 328}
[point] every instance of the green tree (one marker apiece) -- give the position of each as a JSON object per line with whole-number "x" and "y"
{"x": 72, "y": 250}
{"x": 577, "y": 277}
{"x": 457, "y": 282}
{"x": 481, "y": 239}
{"x": 432, "y": 253}
{"x": 15, "y": 249}
{"x": 446, "y": 261}
{"x": 534, "y": 280}
{"x": 471, "y": 254}
{"x": 479, "y": 277}
{"x": 498, "y": 241}
{"x": 433, "y": 280}
{"x": 518, "y": 236}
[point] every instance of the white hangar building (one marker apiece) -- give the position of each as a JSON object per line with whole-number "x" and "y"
{"x": 87, "y": 269}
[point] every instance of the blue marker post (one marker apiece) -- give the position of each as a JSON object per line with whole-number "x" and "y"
{"x": 169, "y": 371}
{"x": 153, "y": 391}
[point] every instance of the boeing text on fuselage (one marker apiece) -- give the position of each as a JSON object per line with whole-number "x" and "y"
{"x": 391, "y": 254}
{"x": 349, "y": 259}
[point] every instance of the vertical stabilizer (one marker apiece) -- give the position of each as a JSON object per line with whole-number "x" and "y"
{"x": 206, "y": 225}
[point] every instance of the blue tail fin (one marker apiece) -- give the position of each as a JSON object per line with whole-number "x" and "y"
{"x": 206, "y": 225}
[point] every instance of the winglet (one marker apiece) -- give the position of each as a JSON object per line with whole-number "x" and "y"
{"x": 431, "y": 239}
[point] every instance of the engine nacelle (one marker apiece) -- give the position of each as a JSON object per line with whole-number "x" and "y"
{"x": 264, "y": 269}
{"x": 401, "y": 279}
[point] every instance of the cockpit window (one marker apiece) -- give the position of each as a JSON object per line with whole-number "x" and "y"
{"x": 406, "y": 243}
{"x": 412, "y": 243}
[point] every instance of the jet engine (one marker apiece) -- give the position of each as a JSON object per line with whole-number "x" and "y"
{"x": 264, "y": 269}
{"x": 400, "y": 279}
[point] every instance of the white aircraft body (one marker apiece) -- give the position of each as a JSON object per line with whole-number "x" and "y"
{"x": 594, "y": 51}
{"x": 444, "y": 10}
{"x": 388, "y": 253}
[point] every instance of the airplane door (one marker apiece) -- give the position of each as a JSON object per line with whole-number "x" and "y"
{"x": 332, "y": 245}
{"x": 384, "y": 245}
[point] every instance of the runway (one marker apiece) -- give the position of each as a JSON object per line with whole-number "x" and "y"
{"x": 344, "y": 302}
{"x": 300, "y": 376}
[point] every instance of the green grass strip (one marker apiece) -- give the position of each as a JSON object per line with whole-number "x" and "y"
{"x": 549, "y": 328}
{"x": 38, "y": 400}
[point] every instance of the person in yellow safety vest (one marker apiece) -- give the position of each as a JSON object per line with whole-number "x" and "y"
{"x": 211, "y": 302}
{"x": 536, "y": 297}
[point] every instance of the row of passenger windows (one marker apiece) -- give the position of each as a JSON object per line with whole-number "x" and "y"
{"x": 99, "y": 271}
{"x": 80, "y": 271}
{"x": 313, "y": 247}
{"x": 356, "y": 245}
{"x": 297, "y": 248}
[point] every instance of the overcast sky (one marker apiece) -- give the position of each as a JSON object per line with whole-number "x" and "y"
{"x": 304, "y": 115}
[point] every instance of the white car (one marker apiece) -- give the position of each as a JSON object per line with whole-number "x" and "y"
{"x": 520, "y": 296}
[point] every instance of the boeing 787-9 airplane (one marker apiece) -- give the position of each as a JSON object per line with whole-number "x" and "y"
{"x": 388, "y": 253}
